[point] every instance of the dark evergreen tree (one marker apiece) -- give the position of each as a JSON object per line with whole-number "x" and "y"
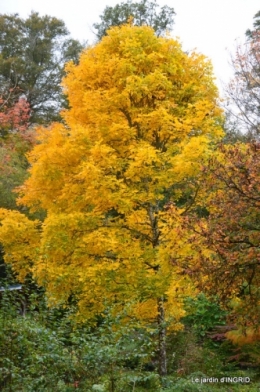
{"x": 256, "y": 25}
{"x": 33, "y": 52}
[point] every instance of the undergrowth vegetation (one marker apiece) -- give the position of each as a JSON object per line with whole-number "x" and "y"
{"x": 43, "y": 350}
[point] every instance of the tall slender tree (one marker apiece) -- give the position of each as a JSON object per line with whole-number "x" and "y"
{"x": 143, "y": 115}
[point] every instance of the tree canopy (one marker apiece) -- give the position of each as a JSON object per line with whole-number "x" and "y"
{"x": 33, "y": 52}
{"x": 142, "y": 117}
{"x": 256, "y": 26}
{"x": 227, "y": 237}
{"x": 243, "y": 91}
{"x": 16, "y": 139}
{"x": 143, "y": 13}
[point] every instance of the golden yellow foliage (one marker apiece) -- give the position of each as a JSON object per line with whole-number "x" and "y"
{"x": 143, "y": 115}
{"x": 20, "y": 237}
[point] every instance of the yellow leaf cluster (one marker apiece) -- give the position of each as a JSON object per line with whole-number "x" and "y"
{"x": 143, "y": 115}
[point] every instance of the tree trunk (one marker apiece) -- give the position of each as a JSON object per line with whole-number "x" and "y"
{"x": 162, "y": 339}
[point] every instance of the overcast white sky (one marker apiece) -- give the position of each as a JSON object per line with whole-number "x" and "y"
{"x": 211, "y": 26}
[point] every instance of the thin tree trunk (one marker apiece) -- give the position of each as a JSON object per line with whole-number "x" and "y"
{"x": 152, "y": 212}
{"x": 162, "y": 338}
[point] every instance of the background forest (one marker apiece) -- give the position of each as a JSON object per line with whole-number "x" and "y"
{"x": 129, "y": 209}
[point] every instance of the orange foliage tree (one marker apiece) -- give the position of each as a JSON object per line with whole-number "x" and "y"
{"x": 14, "y": 118}
{"x": 16, "y": 138}
{"x": 227, "y": 239}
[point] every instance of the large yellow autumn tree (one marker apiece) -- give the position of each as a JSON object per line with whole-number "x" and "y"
{"x": 143, "y": 116}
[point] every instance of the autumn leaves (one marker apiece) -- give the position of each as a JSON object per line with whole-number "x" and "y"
{"x": 143, "y": 120}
